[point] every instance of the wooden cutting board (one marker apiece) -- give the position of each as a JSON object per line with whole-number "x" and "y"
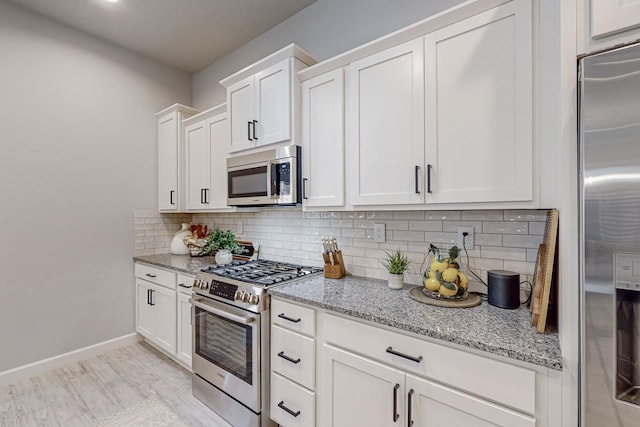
{"x": 545, "y": 272}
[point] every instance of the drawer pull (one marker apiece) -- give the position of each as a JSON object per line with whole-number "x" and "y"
{"x": 182, "y": 285}
{"x": 153, "y": 276}
{"x": 409, "y": 420}
{"x": 395, "y": 403}
{"x": 282, "y": 316}
{"x": 406, "y": 356}
{"x": 289, "y": 411}
{"x": 287, "y": 358}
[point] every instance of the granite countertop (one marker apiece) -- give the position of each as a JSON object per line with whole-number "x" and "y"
{"x": 180, "y": 263}
{"x": 503, "y": 332}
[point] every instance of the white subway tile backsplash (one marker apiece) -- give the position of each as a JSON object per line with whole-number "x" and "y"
{"x": 517, "y": 241}
{"x": 505, "y": 227}
{"x": 503, "y": 239}
{"x": 517, "y": 254}
{"x": 442, "y": 215}
{"x": 482, "y": 215}
{"x": 526, "y": 215}
{"x": 425, "y": 225}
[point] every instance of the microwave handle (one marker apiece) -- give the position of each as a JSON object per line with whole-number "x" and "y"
{"x": 273, "y": 189}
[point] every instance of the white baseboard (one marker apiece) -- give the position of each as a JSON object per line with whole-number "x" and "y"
{"x": 20, "y": 373}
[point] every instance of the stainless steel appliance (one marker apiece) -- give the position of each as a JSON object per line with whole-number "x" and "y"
{"x": 270, "y": 177}
{"x": 610, "y": 237}
{"x": 230, "y": 317}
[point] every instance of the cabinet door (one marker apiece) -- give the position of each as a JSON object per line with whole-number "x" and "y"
{"x": 144, "y": 313}
{"x": 431, "y": 404}
{"x": 323, "y": 140}
{"x": 479, "y": 107}
{"x": 610, "y": 17}
{"x": 240, "y": 99}
{"x": 183, "y": 352}
{"x": 163, "y": 303}
{"x": 168, "y": 163}
{"x": 386, "y": 125}
{"x": 273, "y": 104}
{"x": 198, "y": 169}
{"x": 218, "y": 131}
{"x": 361, "y": 392}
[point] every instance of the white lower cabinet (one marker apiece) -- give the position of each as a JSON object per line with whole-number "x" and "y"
{"x": 360, "y": 391}
{"x": 156, "y": 318}
{"x": 184, "y": 347}
{"x": 163, "y": 315}
{"x": 431, "y": 404}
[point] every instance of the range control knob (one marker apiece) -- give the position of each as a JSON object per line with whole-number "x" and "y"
{"x": 196, "y": 283}
{"x": 254, "y": 299}
{"x": 204, "y": 285}
{"x": 238, "y": 296}
{"x": 246, "y": 296}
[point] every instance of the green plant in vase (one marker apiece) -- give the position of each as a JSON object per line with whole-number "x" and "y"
{"x": 396, "y": 264}
{"x": 223, "y": 244}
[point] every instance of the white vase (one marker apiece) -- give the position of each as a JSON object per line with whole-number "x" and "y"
{"x": 396, "y": 281}
{"x": 223, "y": 257}
{"x": 177, "y": 243}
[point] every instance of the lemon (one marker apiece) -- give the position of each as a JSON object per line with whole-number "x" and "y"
{"x": 464, "y": 280}
{"x": 450, "y": 275}
{"x": 432, "y": 284}
{"x": 448, "y": 292}
{"x": 440, "y": 266}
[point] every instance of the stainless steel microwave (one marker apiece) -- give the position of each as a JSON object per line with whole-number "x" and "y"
{"x": 270, "y": 177}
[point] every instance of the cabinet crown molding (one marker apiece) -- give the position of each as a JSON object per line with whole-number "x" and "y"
{"x": 177, "y": 107}
{"x": 420, "y": 28}
{"x": 206, "y": 114}
{"x": 289, "y": 51}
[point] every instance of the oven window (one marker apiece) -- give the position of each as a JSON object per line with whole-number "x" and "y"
{"x": 225, "y": 343}
{"x": 248, "y": 182}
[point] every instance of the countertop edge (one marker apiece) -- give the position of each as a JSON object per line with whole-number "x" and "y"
{"x": 487, "y": 348}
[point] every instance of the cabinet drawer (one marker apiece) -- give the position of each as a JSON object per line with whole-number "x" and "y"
{"x": 185, "y": 283}
{"x": 500, "y": 382}
{"x": 293, "y": 317}
{"x": 293, "y": 356}
{"x": 291, "y": 405}
{"x": 156, "y": 275}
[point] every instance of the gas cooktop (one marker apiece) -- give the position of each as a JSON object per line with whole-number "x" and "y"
{"x": 263, "y": 273}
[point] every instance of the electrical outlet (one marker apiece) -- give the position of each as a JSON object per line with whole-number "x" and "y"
{"x": 468, "y": 239}
{"x": 379, "y": 233}
{"x": 240, "y": 227}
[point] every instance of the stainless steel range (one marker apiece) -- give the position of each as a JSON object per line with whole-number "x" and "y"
{"x": 230, "y": 317}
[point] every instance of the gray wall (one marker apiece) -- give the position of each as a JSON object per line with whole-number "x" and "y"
{"x": 324, "y": 29}
{"x": 78, "y": 141}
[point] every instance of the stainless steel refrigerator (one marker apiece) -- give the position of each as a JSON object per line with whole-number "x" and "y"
{"x": 609, "y": 98}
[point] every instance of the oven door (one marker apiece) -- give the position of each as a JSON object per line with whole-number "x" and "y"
{"x": 226, "y": 349}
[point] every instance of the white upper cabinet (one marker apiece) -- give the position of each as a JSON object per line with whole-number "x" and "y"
{"x": 603, "y": 24}
{"x": 610, "y": 17}
{"x": 263, "y": 100}
{"x": 479, "y": 138}
{"x": 260, "y": 108}
{"x": 323, "y": 140}
{"x": 207, "y": 136}
{"x": 170, "y": 139}
{"x": 386, "y": 126}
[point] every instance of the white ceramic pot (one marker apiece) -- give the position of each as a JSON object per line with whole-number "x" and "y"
{"x": 396, "y": 281}
{"x": 177, "y": 243}
{"x": 223, "y": 257}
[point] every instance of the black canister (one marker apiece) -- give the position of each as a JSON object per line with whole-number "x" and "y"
{"x": 503, "y": 289}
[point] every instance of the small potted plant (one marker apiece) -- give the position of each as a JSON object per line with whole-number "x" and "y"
{"x": 396, "y": 264}
{"x": 223, "y": 244}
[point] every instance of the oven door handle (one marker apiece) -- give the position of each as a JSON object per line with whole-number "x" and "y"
{"x": 244, "y": 320}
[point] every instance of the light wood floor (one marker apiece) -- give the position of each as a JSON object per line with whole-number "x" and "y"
{"x": 84, "y": 393}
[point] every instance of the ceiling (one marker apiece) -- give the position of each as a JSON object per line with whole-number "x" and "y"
{"x": 185, "y": 34}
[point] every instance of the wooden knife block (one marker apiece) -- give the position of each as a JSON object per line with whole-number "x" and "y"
{"x": 335, "y": 270}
